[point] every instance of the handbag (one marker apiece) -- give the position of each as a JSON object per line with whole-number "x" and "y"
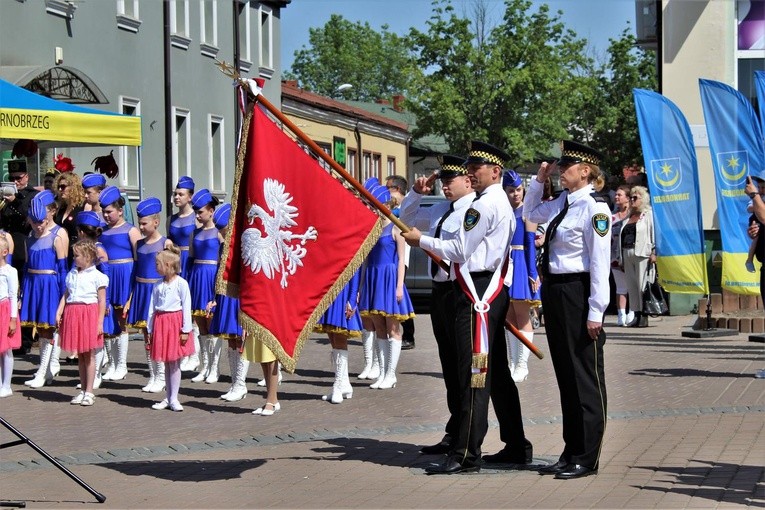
{"x": 653, "y": 297}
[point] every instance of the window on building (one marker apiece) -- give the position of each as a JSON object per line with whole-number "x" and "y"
{"x": 216, "y": 160}
{"x": 327, "y": 148}
{"x": 179, "y": 24}
{"x": 208, "y": 10}
{"x": 128, "y": 16}
{"x": 265, "y": 42}
{"x": 391, "y": 166}
{"x": 366, "y": 170}
{"x": 350, "y": 163}
{"x": 376, "y": 165}
{"x": 181, "y": 145}
{"x": 245, "y": 57}
{"x": 128, "y": 156}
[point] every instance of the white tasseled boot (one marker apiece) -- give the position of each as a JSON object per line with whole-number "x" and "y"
{"x": 152, "y": 375}
{"x": 122, "y": 351}
{"x": 381, "y": 347}
{"x": 512, "y": 351}
{"x": 204, "y": 359}
{"x": 55, "y": 363}
{"x": 342, "y": 386}
{"x": 232, "y": 371}
{"x": 159, "y": 377}
{"x": 111, "y": 363}
{"x": 394, "y": 352}
{"x": 522, "y": 367}
{"x": 190, "y": 363}
{"x": 239, "y": 389}
{"x": 43, "y": 375}
{"x": 99, "y": 361}
{"x": 368, "y": 344}
{"x": 216, "y": 347}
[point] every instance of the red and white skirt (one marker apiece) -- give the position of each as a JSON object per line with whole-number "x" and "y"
{"x": 79, "y": 328}
{"x": 166, "y": 337}
{"x": 13, "y": 341}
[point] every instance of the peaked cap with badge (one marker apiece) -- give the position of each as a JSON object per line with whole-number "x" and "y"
{"x": 452, "y": 166}
{"x": 574, "y": 152}
{"x": 483, "y": 153}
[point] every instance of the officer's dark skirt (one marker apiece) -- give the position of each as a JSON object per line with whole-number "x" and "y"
{"x": 442, "y": 320}
{"x": 578, "y": 363}
{"x": 474, "y": 402}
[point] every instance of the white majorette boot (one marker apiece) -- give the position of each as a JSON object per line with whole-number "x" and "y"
{"x": 368, "y": 343}
{"x": 55, "y": 363}
{"x": 342, "y": 386}
{"x": 99, "y": 361}
{"x": 232, "y": 371}
{"x": 204, "y": 359}
{"x": 394, "y": 352}
{"x": 381, "y": 347}
{"x": 122, "y": 351}
{"x": 190, "y": 363}
{"x": 152, "y": 375}
{"x": 111, "y": 352}
{"x": 239, "y": 376}
{"x": 159, "y": 377}
{"x": 512, "y": 350}
{"x": 216, "y": 346}
{"x": 522, "y": 367}
{"x": 43, "y": 375}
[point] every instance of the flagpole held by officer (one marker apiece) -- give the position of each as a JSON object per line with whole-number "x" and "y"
{"x": 479, "y": 256}
{"x": 442, "y": 220}
{"x": 575, "y": 294}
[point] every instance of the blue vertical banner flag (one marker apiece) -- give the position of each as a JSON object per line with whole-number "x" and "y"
{"x": 670, "y": 162}
{"x": 759, "y": 86}
{"x": 736, "y": 147}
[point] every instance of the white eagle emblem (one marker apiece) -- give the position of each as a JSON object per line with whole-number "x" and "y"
{"x": 273, "y": 250}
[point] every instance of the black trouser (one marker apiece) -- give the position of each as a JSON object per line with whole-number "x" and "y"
{"x": 474, "y": 402}
{"x": 442, "y": 319}
{"x": 407, "y": 330}
{"x": 578, "y": 363}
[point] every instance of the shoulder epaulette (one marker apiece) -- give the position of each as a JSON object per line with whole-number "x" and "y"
{"x": 598, "y": 197}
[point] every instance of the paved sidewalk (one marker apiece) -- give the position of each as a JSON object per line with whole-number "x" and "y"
{"x": 686, "y": 429}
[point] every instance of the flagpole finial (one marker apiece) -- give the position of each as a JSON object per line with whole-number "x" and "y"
{"x": 228, "y": 69}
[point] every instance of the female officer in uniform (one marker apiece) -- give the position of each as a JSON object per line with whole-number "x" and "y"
{"x": 575, "y": 294}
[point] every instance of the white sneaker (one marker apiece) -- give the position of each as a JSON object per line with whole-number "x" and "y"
{"x": 5, "y": 392}
{"x": 161, "y": 405}
{"x": 176, "y": 406}
{"x": 630, "y": 318}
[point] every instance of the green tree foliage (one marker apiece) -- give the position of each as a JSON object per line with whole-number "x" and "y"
{"x": 377, "y": 64}
{"x": 517, "y": 85}
{"x": 611, "y": 123}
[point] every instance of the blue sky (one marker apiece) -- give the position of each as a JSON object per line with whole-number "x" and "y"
{"x": 594, "y": 20}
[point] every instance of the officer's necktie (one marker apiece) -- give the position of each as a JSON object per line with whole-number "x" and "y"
{"x": 551, "y": 228}
{"x": 433, "y": 265}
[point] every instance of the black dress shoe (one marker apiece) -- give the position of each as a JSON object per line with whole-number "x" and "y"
{"x": 509, "y": 456}
{"x": 553, "y": 469}
{"x": 575, "y": 471}
{"x": 451, "y": 467}
{"x": 407, "y": 345}
{"x": 437, "y": 449}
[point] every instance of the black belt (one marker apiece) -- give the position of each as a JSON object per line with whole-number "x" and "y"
{"x": 566, "y": 277}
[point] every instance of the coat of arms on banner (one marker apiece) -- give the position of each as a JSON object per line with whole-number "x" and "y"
{"x": 275, "y": 249}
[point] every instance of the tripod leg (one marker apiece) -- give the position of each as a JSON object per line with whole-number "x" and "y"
{"x": 99, "y": 497}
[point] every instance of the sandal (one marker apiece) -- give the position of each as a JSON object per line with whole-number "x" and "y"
{"x": 268, "y": 412}
{"x": 77, "y": 400}
{"x": 88, "y": 399}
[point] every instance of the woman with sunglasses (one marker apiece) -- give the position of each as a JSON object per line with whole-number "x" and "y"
{"x": 618, "y": 219}
{"x": 70, "y": 197}
{"x": 638, "y": 249}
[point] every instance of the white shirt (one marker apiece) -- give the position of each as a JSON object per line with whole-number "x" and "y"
{"x": 170, "y": 297}
{"x": 484, "y": 235}
{"x": 82, "y": 286}
{"x": 9, "y": 287}
{"x": 427, "y": 218}
{"x": 578, "y": 246}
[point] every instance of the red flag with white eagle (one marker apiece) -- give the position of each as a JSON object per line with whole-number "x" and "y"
{"x": 296, "y": 236}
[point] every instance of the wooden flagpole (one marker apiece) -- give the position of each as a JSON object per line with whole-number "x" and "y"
{"x": 376, "y": 203}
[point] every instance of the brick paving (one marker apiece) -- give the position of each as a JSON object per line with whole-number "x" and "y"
{"x": 685, "y": 430}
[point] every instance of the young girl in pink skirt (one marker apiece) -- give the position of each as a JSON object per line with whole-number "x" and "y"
{"x": 169, "y": 324}
{"x": 80, "y": 315}
{"x": 10, "y": 332}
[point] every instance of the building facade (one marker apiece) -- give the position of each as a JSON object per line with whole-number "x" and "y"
{"x": 117, "y": 56}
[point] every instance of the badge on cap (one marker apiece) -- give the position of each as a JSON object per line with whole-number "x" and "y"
{"x": 471, "y": 219}
{"x": 601, "y": 224}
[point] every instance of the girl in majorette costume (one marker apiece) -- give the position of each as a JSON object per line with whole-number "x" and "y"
{"x": 144, "y": 277}
{"x": 384, "y": 301}
{"x": 89, "y": 228}
{"x": 340, "y": 322}
{"x": 524, "y": 289}
{"x": 93, "y": 184}
{"x": 225, "y": 323}
{"x": 179, "y": 228}
{"x": 119, "y": 240}
{"x": 10, "y": 330}
{"x": 203, "y": 265}
{"x": 169, "y": 324}
{"x": 80, "y": 315}
{"x": 44, "y": 283}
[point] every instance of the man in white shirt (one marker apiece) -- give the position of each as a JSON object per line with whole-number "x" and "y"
{"x": 479, "y": 254}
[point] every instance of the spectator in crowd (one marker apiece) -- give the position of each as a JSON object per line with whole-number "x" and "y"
{"x": 638, "y": 250}
{"x": 70, "y": 197}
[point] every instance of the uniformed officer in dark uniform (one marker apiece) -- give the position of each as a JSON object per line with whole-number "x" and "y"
{"x": 479, "y": 256}
{"x": 575, "y": 294}
{"x": 442, "y": 220}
